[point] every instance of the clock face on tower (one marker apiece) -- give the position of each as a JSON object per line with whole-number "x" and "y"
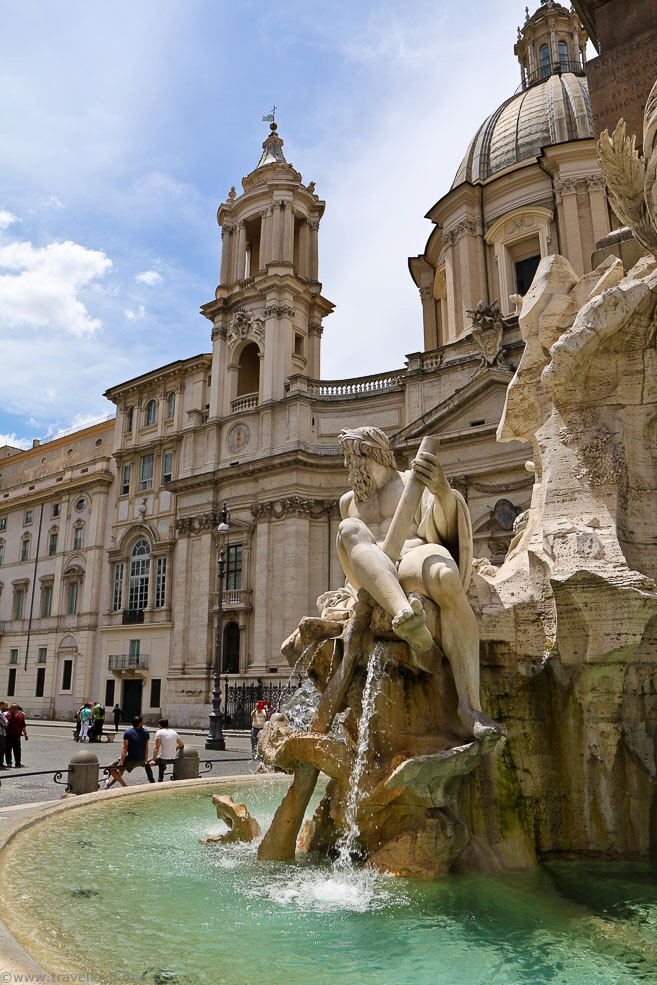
{"x": 238, "y": 437}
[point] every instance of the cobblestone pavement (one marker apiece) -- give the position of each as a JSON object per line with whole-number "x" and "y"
{"x": 50, "y": 747}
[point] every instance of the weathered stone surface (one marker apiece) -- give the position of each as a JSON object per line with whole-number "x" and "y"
{"x": 241, "y": 825}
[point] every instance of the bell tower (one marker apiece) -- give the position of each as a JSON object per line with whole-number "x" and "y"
{"x": 268, "y": 308}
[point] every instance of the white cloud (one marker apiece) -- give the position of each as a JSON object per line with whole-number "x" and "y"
{"x": 43, "y": 283}
{"x": 149, "y": 277}
{"x": 14, "y": 442}
{"x": 6, "y": 218}
{"x": 135, "y": 315}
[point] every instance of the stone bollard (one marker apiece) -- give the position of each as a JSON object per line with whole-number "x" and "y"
{"x": 84, "y": 770}
{"x": 186, "y": 764}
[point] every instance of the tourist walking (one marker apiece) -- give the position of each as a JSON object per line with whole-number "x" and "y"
{"x": 116, "y": 711}
{"x": 86, "y": 719}
{"x": 258, "y": 722}
{"x": 99, "y": 721}
{"x": 3, "y": 733}
{"x": 133, "y": 754}
{"x": 167, "y": 742}
{"x": 16, "y": 728}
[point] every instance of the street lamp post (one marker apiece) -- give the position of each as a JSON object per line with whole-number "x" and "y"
{"x": 215, "y": 739}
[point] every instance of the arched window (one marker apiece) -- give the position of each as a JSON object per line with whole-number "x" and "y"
{"x": 140, "y": 562}
{"x": 231, "y": 654}
{"x": 248, "y": 377}
{"x": 562, "y": 48}
{"x": 171, "y": 405}
{"x": 149, "y": 413}
{"x": 544, "y": 58}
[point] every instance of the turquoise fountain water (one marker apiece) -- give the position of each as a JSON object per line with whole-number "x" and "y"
{"x": 145, "y": 901}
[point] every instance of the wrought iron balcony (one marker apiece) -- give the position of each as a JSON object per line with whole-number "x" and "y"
{"x": 127, "y": 661}
{"x": 132, "y": 616}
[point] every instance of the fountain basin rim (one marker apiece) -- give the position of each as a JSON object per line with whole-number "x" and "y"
{"x": 16, "y": 961}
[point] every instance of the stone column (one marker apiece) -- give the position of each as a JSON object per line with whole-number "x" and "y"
{"x": 240, "y": 253}
{"x": 263, "y": 598}
{"x": 598, "y": 203}
{"x": 288, "y": 233}
{"x": 226, "y": 241}
{"x": 313, "y": 272}
{"x": 264, "y": 233}
{"x": 276, "y": 233}
{"x": 569, "y": 220}
{"x": 314, "y": 349}
{"x": 304, "y": 248}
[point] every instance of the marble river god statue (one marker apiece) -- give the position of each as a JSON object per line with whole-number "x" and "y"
{"x": 395, "y": 654}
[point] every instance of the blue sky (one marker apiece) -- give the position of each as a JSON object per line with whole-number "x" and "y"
{"x": 124, "y": 124}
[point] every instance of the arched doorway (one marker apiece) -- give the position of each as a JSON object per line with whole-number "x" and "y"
{"x": 248, "y": 374}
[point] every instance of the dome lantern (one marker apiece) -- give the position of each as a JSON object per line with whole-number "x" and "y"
{"x": 551, "y": 42}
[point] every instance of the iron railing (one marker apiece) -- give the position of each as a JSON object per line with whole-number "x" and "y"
{"x": 240, "y": 700}
{"x": 127, "y": 661}
{"x": 558, "y": 67}
{"x": 132, "y": 616}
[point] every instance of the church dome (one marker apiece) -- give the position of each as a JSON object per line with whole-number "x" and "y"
{"x": 550, "y": 112}
{"x": 553, "y": 106}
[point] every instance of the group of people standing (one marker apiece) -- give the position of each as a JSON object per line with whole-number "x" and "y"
{"x": 12, "y": 729}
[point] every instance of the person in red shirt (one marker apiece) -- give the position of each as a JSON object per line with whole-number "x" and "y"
{"x": 16, "y": 727}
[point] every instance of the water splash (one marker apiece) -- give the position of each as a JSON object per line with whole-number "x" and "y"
{"x": 346, "y": 844}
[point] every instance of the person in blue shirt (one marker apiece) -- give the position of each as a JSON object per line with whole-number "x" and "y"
{"x": 133, "y": 754}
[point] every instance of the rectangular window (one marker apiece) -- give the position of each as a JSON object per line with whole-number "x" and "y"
{"x": 109, "y": 693}
{"x": 40, "y": 682}
{"x": 167, "y": 466}
{"x": 155, "y": 693}
{"x": 160, "y": 582}
{"x": 18, "y": 603}
{"x": 42, "y": 654}
{"x": 3, "y": 522}
{"x": 125, "y": 479}
{"x": 52, "y": 545}
{"x": 67, "y": 675}
{"x": 2, "y": 553}
{"x": 146, "y": 472}
{"x": 46, "y": 600}
{"x": 129, "y": 414}
{"x": 234, "y": 567}
{"x": 29, "y": 516}
{"x": 117, "y": 590}
{"x": 11, "y": 683}
{"x": 72, "y": 598}
{"x": 134, "y": 646}
{"x": 13, "y": 656}
{"x": 77, "y": 538}
{"x": 25, "y": 549}
{"x": 56, "y": 509}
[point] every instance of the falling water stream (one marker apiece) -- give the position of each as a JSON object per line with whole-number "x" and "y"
{"x": 347, "y": 841}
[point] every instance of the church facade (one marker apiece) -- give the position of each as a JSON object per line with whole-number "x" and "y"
{"x": 252, "y": 424}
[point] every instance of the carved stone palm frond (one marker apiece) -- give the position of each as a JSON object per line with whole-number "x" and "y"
{"x": 625, "y": 172}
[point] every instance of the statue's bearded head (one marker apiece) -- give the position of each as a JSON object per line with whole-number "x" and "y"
{"x": 362, "y": 447}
